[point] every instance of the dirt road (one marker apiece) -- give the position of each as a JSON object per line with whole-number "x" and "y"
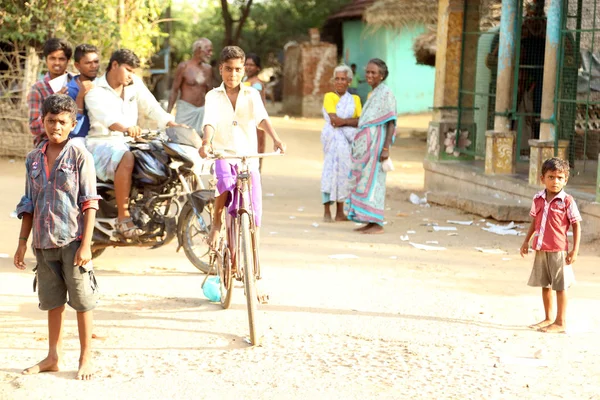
{"x": 394, "y": 322}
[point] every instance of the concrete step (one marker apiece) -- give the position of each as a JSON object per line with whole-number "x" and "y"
{"x": 496, "y": 207}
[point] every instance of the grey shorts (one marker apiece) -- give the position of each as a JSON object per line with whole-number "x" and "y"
{"x": 550, "y": 271}
{"x": 56, "y": 276}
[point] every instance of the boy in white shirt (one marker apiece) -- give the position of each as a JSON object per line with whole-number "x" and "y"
{"x": 233, "y": 111}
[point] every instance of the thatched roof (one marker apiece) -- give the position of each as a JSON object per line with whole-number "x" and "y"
{"x": 353, "y": 10}
{"x": 425, "y": 47}
{"x": 396, "y": 14}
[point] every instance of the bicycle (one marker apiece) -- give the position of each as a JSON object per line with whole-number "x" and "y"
{"x": 237, "y": 245}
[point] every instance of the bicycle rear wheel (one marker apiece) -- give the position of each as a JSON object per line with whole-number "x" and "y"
{"x": 246, "y": 262}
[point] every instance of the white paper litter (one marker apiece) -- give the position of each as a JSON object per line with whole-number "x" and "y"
{"x": 300, "y": 209}
{"x": 453, "y": 234}
{"x": 58, "y": 83}
{"x": 342, "y": 256}
{"x": 426, "y": 247}
{"x": 506, "y": 258}
{"x": 411, "y": 232}
{"x": 315, "y": 224}
{"x": 292, "y": 217}
{"x": 12, "y": 161}
{"x": 404, "y": 238}
{"x": 490, "y": 251}
{"x": 460, "y": 222}
{"x": 444, "y": 228}
{"x": 569, "y": 233}
{"x": 415, "y": 199}
{"x": 503, "y": 230}
{"x": 394, "y": 257}
{"x": 4, "y": 255}
{"x": 269, "y": 194}
{"x": 272, "y": 233}
{"x": 432, "y": 242}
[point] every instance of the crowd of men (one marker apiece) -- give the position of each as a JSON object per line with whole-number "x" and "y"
{"x": 109, "y": 105}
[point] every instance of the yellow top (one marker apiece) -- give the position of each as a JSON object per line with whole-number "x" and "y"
{"x": 332, "y": 99}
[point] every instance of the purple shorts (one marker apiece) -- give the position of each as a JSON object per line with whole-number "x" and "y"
{"x": 226, "y": 173}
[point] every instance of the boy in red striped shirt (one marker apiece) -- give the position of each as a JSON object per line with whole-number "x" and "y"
{"x": 553, "y": 211}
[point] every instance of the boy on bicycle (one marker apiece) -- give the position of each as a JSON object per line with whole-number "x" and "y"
{"x": 233, "y": 111}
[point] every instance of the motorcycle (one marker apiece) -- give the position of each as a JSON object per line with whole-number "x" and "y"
{"x": 170, "y": 197}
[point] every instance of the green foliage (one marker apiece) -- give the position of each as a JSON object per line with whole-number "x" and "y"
{"x": 32, "y": 22}
{"x": 271, "y": 24}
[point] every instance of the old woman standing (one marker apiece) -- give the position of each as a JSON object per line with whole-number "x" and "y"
{"x": 371, "y": 147}
{"x": 341, "y": 111}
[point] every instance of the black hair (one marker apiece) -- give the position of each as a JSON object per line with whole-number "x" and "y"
{"x": 352, "y": 65}
{"x": 254, "y": 57}
{"x": 232, "y": 53}
{"x": 59, "y": 103}
{"x": 124, "y": 56}
{"x": 383, "y": 69}
{"x": 54, "y": 44}
{"x": 82, "y": 50}
{"x": 555, "y": 164}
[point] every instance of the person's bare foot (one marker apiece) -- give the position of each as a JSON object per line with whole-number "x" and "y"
{"x": 541, "y": 324}
{"x": 213, "y": 237}
{"x": 373, "y": 229}
{"x": 362, "y": 228}
{"x": 48, "y": 364}
{"x": 340, "y": 218}
{"x": 554, "y": 328}
{"x": 327, "y": 218}
{"x": 86, "y": 371}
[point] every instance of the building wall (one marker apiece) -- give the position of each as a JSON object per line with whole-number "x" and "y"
{"x": 307, "y": 77}
{"x": 412, "y": 84}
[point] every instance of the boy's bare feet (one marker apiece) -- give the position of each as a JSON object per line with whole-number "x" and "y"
{"x": 340, "y": 218}
{"x": 554, "y": 328}
{"x": 541, "y": 324}
{"x": 213, "y": 237}
{"x": 86, "y": 371}
{"x": 362, "y": 228}
{"x": 327, "y": 218}
{"x": 48, "y": 364}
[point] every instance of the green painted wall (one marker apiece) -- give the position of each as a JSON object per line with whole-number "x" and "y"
{"x": 412, "y": 84}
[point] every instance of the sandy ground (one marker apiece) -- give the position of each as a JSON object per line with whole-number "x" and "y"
{"x": 395, "y": 322}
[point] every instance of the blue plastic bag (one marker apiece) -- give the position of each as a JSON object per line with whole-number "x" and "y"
{"x": 212, "y": 288}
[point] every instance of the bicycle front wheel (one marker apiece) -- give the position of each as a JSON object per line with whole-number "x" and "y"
{"x": 246, "y": 262}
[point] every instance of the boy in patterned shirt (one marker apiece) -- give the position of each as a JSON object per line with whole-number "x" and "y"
{"x": 553, "y": 211}
{"x": 59, "y": 205}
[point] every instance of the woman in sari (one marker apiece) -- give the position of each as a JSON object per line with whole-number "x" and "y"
{"x": 341, "y": 111}
{"x": 371, "y": 147}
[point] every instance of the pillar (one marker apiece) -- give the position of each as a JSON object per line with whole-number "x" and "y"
{"x": 500, "y": 157}
{"x": 452, "y": 22}
{"x": 544, "y": 147}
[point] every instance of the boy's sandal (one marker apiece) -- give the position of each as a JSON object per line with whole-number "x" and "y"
{"x": 128, "y": 229}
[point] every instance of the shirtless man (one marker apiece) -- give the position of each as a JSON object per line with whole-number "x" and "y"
{"x": 193, "y": 79}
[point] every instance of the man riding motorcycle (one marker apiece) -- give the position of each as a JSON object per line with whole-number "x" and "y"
{"x": 113, "y": 106}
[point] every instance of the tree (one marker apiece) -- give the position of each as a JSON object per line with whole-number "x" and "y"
{"x": 233, "y": 27}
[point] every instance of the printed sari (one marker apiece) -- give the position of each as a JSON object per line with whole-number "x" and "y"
{"x": 366, "y": 201}
{"x": 337, "y": 144}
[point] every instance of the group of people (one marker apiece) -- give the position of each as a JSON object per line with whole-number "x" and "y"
{"x": 79, "y": 133}
{"x": 356, "y": 144}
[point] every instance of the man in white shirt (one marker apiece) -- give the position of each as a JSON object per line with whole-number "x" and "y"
{"x": 233, "y": 111}
{"x": 113, "y": 106}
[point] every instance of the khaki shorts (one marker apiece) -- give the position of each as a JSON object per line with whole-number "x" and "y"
{"x": 550, "y": 271}
{"x": 56, "y": 276}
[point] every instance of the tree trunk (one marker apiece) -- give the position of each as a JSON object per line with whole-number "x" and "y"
{"x": 232, "y": 37}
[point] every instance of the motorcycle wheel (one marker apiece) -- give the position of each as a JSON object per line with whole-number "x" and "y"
{"x": 194, "y": 239}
